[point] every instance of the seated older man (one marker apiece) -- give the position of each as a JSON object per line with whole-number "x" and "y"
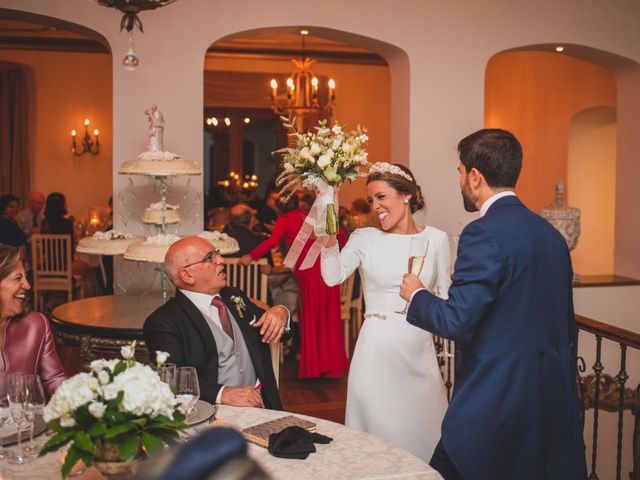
{"x": 216, "y": 329}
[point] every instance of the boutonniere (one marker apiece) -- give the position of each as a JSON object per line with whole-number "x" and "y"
{"x": 240, "y": 305}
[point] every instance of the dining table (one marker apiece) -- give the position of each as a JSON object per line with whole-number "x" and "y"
{"x": 352, "y": 454}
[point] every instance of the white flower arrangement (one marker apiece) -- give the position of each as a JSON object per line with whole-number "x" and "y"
{"x": 162, "y": 240}
{"x": 328, "y": 156}
{"x": 159, "y": 156}
{"x": 112, "y": 235}
{"x": 167, "y": 206}
{"x": 120, "y": 402}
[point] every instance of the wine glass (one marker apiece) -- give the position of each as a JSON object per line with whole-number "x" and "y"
{"x": 4, "y": 413}
{"x": 35, "y": 406}
{"x": 17, "y": 387}
{"x": 418, "y": 248}
{"x": 187, "y": 389}
{"x": 167, "y": 373}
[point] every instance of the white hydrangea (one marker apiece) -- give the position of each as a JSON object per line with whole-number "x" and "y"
{"x": 144, "y": 392}
{"x": 73, "y": 393}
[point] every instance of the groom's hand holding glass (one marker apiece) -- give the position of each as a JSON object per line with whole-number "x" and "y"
{"x": 410, "y": 284}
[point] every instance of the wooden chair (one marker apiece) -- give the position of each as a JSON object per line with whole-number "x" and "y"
{"x": 247, "y": 278}
{"x": 346, "y": 292}
{"x": 52, "y": 266}
{"x": 276, "y": 353}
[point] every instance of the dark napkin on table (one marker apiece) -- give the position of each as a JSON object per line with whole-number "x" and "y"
{"x": 295, "y": 442}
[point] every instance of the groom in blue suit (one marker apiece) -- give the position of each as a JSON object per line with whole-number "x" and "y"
{"x": 514, "y": 413}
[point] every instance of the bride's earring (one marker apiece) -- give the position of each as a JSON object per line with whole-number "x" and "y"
{"x": 406, "y": 200}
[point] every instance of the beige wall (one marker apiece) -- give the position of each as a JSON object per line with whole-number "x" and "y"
{"x": 437, "y": 52}
{"x": 592, "y": 187}
{"x": 362, "y": 98}
{"x": 66, "y": 88}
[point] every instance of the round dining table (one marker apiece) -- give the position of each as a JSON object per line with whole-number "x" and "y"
{"x": 352, "y": 455}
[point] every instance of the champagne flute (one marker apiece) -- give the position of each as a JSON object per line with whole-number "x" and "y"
{"x": 36, "y": 401}
{"x": 17, "y": 387}
{"x": 187, "y": 389}
{"x": 4, "y": 413}
{"x": 417, "y": 254}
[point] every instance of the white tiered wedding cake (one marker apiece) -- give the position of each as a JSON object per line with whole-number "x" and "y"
{"x": 111, "y": 242}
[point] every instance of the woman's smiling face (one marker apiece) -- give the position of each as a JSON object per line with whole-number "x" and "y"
{"x": 390, "y": 206}
{"x": 13, "y": 290}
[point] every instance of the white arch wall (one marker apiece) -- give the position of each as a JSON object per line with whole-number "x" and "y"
{"x": 447, "y": 47}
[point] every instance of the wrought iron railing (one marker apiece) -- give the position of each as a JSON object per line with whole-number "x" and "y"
{"x": 598, "y": 391}
{"x": 603, "y": 392}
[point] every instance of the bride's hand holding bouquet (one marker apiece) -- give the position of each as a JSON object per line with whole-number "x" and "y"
{"x": 320, "y": 160}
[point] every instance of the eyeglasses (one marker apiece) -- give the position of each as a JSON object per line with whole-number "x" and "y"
{"x": 208, "y": 258}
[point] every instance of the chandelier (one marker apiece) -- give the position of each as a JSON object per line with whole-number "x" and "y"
{"x": 301, "y": 98}
{"x": 130, "y": 19}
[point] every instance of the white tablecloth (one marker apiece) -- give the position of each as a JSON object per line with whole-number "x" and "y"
{"x": 353, "y": 455}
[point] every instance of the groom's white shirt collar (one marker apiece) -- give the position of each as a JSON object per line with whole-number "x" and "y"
{"x": 491, "y": 200}
{"x": 200, "y": 300}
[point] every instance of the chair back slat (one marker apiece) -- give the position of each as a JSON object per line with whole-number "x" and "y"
{"x": 52, "y": 265}
{"x": 247, "y": 278}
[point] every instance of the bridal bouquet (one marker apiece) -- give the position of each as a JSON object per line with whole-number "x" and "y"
{"x": 117, "y": 409}
{"x": 319, "y": 161}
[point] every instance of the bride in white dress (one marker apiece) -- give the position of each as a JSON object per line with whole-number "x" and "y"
{"x": 395, "y": 389}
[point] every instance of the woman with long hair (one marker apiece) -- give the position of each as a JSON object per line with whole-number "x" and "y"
{"x": 395, "y": 389}
{"x": 321, "y": 336}
{"x": 26, "y": 341}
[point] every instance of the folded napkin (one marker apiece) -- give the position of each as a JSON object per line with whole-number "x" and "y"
{"x": 205, "y": 453}
{"x": 295, "y": 442}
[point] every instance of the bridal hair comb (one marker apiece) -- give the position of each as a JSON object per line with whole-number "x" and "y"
{"x": 384, "y": 167}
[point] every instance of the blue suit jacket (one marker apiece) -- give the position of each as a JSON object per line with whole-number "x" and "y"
{"x": 514, "y": 412}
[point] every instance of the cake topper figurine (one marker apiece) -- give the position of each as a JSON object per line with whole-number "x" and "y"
{"x": 156, "y": 128}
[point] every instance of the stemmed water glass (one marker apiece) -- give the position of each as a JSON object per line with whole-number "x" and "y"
{"x": 17, "y": 388}
{"x": 187, "y": 389}
{"x": 167, "y": 373}
{"x": 418, "y": 248}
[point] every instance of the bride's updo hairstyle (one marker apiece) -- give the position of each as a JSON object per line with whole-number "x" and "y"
{"x": 400, "y": 179}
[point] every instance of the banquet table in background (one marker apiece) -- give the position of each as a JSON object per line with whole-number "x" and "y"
{"x": 352, "y": 455}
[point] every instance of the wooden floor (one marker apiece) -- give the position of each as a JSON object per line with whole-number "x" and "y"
{"x": 321, "y": 397}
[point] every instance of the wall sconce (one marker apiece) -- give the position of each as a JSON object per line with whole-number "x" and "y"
{"x": 89, "y": 145}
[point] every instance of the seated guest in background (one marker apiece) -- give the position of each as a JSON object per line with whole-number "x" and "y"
{"x": 10, "y": 231}
{"x": 268, "y": 213}
{"x": 55, "y": 220}
{"x": 31, "y": 217}
{"x": 211, "y": 327}
{"x": 242, "y": 220}
{"x": 25, "y": 338}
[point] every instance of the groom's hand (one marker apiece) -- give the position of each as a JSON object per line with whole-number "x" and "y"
{"x": 410, "y": 283}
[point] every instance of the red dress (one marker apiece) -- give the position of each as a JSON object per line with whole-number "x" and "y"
{"x": 322, "y": 341}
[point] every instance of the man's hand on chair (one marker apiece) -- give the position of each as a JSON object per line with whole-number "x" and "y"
{"x": 245, "y": 259}
{"x": 244, "y": 396}
{"x": 272, "y": 323}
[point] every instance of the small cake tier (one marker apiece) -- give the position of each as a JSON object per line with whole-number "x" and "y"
{"x": 160, "y": 164}
{"x": 107, "y": 243}
{"x": 223, "y": 242}
{"x": 153, "y": 249}
{"x": 153, "y": 214}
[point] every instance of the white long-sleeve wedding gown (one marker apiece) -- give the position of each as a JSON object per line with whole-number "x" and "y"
{"x": 395, "y": 389}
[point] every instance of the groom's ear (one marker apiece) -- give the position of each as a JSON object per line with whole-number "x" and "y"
{"x": 475, "y": 178}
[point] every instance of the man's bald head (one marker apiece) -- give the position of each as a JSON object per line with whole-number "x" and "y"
{"x": 36, "y": 202}
{"x": 199, "y": 275}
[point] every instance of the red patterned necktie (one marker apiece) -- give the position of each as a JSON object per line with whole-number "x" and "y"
{"x": 224, "y": 316}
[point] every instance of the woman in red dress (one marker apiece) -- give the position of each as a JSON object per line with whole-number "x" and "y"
{"x": 322, "y": 343}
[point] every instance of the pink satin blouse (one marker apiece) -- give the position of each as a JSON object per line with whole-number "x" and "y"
{"x": 29, "y": 347}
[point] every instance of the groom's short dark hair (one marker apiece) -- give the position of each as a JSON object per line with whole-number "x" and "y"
{"x": 495, "y": 153}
